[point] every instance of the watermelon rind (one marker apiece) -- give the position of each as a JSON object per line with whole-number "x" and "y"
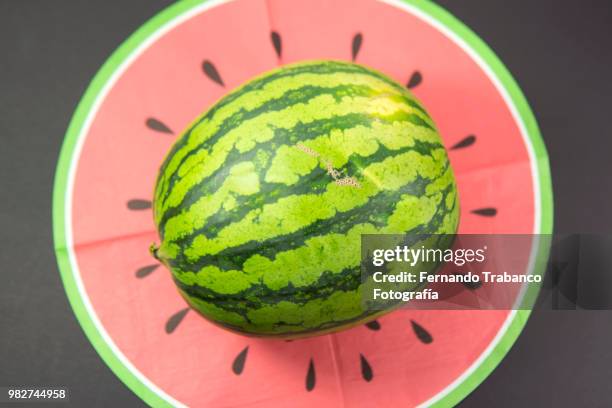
{"x": 218, "y": 218}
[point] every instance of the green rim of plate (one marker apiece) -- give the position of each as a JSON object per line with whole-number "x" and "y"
{"x": 434, "y": 15}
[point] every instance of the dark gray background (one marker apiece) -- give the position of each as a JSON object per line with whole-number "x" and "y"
{"x": 559, "y": 51}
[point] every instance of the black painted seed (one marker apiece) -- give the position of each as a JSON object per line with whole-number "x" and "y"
{"x": 423, "y": 335}
{"x": 277, "y": 43}
{"x": 415, "y": 79}
{"x": 357, "y": 40}
{"x": 311, "y": 376}
{"x": 366, "y": 369}
{"x": 175, "y": 320}
{"x": 485, "y": 212}
{"x": 146, "y": 270}
{"x": 373, "y": 325}
{"x": 158, "y": 126}
{"x": 211, "y": 72}
{"x": 138, "y": 204}
{"x": 465, "y": 142}
{"x": 238, "y": 364}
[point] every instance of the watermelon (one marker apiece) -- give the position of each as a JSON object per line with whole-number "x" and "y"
{"x": 262, "y": 201}
{"x": 187, "y": 58}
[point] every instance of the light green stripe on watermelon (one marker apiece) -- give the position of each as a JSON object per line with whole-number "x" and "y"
{"x": 315, "y": 182}
{"x": 324, "y": 252}
{"x": 294, "y": 212}
{"x": 350, "y": 129}
{"x": 234, "y": 257}
{"x": 409, "y": 213}
{"x": 302, "y": 266}
{"x": 289, "y": 163}
{"x": 247, "y": 135}
{"x": 308, "y": 310}
{"x": 277, "y": 85}
{"x": 275, "y": 91}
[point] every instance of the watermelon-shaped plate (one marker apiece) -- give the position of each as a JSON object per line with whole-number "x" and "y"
{"x": 180, "y": 63}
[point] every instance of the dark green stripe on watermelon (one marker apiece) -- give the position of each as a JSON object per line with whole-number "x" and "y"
{"x": 290, "y": 98}
{"x": 375, "y": 212}
{"x": 314, "y": 182}
{"x": 257, "y": 295}
{"x": 320, "y": 69}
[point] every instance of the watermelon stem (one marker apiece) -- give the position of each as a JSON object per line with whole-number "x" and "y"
{"x": 153, "y": 248}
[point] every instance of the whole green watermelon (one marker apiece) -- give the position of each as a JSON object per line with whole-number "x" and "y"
{"x": 261, "y": 203}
